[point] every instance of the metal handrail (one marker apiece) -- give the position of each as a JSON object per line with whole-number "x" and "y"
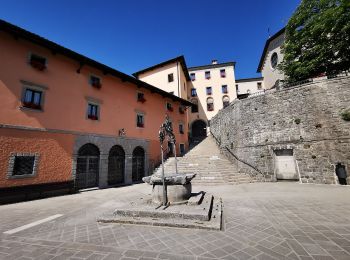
{"x": 236, "y": 157}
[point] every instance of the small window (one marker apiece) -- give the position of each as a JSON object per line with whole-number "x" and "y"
{"x": 259, "y": 85}
{"x": 207, "y": 74}
{"x": 32, "y": 99}
{"x": 141, "y": 97}
{"x": 181, "y": 129}
{"x": 223, "y": 73}
{"x": 181, "y": 110}
{"x": 24, "y": 165}
{"x": 93, "y": 111}
{"x": 237, "y": 88}
{"x": 169, "y": 107}
{"x": 37, "y": 62}
{"x": 225, "y": 101}
{"x": 140, "y": 120}
{"x": 193, "y": 92}
{"x": 209, "y": 91}
{"x": 182, "y": 149}
{"x": 193, "y": 76}
{"x": 194, "y": 107}
{"x": 210, "y": 104}
{"x": 95, "y": 81}
{"x": 170, "y": 77}
{"x": 274, "y": 60}
{"x": 224, "y": 89}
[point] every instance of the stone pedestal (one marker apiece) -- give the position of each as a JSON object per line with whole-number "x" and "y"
{"x": 175, "y": 193}
{"x": 178, "y": 187}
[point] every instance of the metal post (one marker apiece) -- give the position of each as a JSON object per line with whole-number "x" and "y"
{"x": 163, "y": 177}
{"x": 175, "y": 157}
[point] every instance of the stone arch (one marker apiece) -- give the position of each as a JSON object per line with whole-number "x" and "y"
{"x": 116, "y": 165}
{"x": 88, "y": 165}
{"x": 198, "y": 129}
{"x": 138, "y": 164}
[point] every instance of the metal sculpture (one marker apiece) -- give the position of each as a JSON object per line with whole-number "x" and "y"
{"x": 166, "y": 130}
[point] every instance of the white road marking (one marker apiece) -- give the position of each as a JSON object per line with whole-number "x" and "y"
{"x": 33, "y": 224}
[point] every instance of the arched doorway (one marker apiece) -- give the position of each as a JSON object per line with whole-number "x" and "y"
{"x": 138, "y": 164}
{"x": 87, "y": 167}
{"x": 116, "y": 165}
{"x": 199, "y": 130}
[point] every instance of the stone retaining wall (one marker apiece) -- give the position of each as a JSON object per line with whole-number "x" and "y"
{"x": 304, "y": 118}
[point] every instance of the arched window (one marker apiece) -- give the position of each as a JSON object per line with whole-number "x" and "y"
{"x": 194, "y": 108}
{"x": 225, "y": 101}
{"x": 210, "y": 104}
{"x": 274, "y": 60}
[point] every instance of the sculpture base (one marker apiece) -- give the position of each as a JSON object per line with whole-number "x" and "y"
{"x": 176, "y": 194}
{"x": 202, "y": 211}
{"x": 178, "y": 187}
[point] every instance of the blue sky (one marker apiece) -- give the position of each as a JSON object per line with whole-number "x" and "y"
{"x": 130, "y": 35}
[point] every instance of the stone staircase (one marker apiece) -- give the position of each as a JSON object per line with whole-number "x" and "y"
{"x": 208, "y": 163}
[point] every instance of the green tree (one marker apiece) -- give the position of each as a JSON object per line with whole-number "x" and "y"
{"x": 317, "y": 39}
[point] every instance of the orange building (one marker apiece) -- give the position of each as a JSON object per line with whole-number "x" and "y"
{"x": 69, "y": 122}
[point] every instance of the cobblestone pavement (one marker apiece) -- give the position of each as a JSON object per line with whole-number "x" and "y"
{"x": 261, "y": 221}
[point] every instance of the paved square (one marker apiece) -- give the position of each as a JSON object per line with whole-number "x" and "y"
{"x": 262, "y": 221}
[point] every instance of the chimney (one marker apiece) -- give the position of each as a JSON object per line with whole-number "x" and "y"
{"x": 214, "y": 62}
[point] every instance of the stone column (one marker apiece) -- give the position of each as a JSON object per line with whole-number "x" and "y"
{"x": 128, "y": 168}
{"x": 103, "y": 173}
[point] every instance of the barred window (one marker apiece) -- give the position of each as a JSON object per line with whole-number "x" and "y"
{"x": 24, "y": 165}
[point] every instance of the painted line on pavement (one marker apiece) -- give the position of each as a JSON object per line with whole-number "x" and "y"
{"x": 33, "y": 224}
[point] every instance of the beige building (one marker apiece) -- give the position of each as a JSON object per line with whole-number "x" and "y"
{"x": 249, "y": 86}
{"x": 213, "y": 88}
{"x": 270, "y": 59}
{"x": 171, "y": 76}
{"x": 210, "y": 87}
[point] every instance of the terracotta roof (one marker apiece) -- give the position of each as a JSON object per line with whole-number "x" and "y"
{"x": 180, "y": 59}
{"x": 266, "y": 46}
{"x": 18, "y": 32}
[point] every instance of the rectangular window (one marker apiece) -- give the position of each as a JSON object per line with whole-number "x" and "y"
{"x": 95, "y": 81}
{"x": 193, "y": 92}
{"x": 169, "y": 107}
{"x": 237, "y": 88}
{"x": 37, "y": 62}
{"x": 223, "y": 73}
{"x": 181, "y": 110}
{"x": 23, "y": 165}
{"x": 209, "y": 91}
{"x": 224, "y": 89}
{"x": 259, "y": 85}
{"x": 93, "y": 111}
{"x": 210, "y": 106}
{"x": 181, "y": 129}
{"x": 207, "y": 74}
{"x": 32, "y": 99}
{"x": 140, "y": 120}
{"x": 182, "y": 149}
{"x": 193, "y": 76}
{"x": 170, "y": 77}
{"x": 141, "y": 97}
